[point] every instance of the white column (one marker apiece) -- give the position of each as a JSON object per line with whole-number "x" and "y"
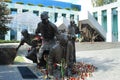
{"x": 76, "y": 19}
{"x": 19, "y": 10}
{"x": 51, "y": 15}
{"x": 118, "y": 24}
{"x": 100, "y": 17}
{"x": 109, "y": 25}
{"x": 30, "y": 10}
{"x": 18, "y": 29}
{"x": 68, "y": 16}
{"x": 18, "y": 33}
{"x": 39, "y": 13}
{"x": 59, "y": 16}
{"x": 7, "y": 36}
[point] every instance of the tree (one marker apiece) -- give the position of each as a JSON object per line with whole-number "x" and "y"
{"x": 101, "y": 2}
{"x": 4, "y": 19}
{"x": 75, "y": 7}
{"x": 97, "y": 2}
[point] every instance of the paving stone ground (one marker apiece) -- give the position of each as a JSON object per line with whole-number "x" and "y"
{"x": 10, "y": 72}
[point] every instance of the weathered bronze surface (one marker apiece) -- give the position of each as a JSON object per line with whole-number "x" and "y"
{"x": 7, "y": 54}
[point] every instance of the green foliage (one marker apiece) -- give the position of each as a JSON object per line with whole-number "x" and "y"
{"x": 58, "y": 7}
{"x": 8, "y": 1}
{"x": 19, "y": 59}
{"x": 4, "y": 19}
{"x": 67, "y": 8}
{"x": 19, "y": 3}
{"x": 75, "y": 7}
{"x": 99, "y": 2}
{"x": 9, "y": 41}
{"x": 96, "y": 3}
{"x": 30, "y": 4}
{"x": 50, "y": 6}
{"x": 3, "y": 29}
{"x": 40, "y": 5}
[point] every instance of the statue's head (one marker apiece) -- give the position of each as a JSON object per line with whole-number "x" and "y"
{"x": 44, "y": 17}
{"x": 72, "y": 22}
{"x": 63, "y": 39}
{"x": 24, "y": 32}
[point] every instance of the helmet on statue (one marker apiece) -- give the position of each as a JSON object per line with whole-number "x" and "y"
{"x": 44, "y": 15}
{"x": 24, "y": 31}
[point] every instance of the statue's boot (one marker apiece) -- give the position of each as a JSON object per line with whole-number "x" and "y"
{"x": 42, "y": 63}
{"x": 32, "y": 57}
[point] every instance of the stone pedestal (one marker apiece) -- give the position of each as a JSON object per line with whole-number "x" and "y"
{"x": 7, "y": 54}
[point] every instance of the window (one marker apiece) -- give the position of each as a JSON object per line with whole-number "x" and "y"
{"x": 71, "y": 16}
{"x": 13, "y": 11}
{"x": 64, "y": 15}
{"x": 104, "y": 19}
{"x": 95, "y": 15}
{"x": 25, "y": 10}
{"x": 56, "y": 15}
{"x": 36, "y": 12}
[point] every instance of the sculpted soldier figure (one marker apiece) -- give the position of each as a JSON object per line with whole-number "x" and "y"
{"x": 72, "y": 37}
{"x": 28, "y": 39}
{"x": 48, "y": 31}
{"x": 56, "y": 51}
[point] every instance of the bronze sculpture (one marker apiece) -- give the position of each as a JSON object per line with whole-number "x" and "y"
{"x": 61, "y": 50}
{"x": 55, "y": 43}
{"x": 54, "y": 47}
{"x": 72, "y": 36}
{"x": 29, "y": 39}
{"x": 48, "y": 31}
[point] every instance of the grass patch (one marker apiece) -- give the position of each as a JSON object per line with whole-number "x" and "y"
{"x": 9, "y": 41}
{"x": 19, "y": 59}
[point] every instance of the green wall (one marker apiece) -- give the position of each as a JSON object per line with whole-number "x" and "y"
{"x": 115, "y": 23}
{"x": 104, "y": 20}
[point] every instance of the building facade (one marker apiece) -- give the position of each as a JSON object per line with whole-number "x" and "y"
{"x": 108, "y": 17}
{"x": 54, "y": 11}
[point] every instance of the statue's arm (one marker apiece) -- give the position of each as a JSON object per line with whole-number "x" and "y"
{"x": 21, "y": 43}
{"x": 57, "y": 33}
{"x": 37, "y": 31}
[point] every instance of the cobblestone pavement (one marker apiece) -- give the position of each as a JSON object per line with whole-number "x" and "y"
{"x": 86, "y": 46}
{"x": 106, "y": 60}
{"x": 103, "y": 55}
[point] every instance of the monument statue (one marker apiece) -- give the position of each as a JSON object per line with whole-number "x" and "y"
{"x": 56, "y": 44}
{"x": 49, "y": 32}
{"x": 30, "y": 40}
{"x": 72, "y": 36}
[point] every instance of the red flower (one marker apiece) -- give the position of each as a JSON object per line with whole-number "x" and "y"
{"x": 86, "y": 74}
{"x": 88, "y": 66}
{"x": 72, "y": 78}
{"x": 46, "y": 72}
{"x": 83, "y": 78}
{"x": 37, "y": 37}
{"x": 78, "y": 66}
{"x": 55, "y": 65}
